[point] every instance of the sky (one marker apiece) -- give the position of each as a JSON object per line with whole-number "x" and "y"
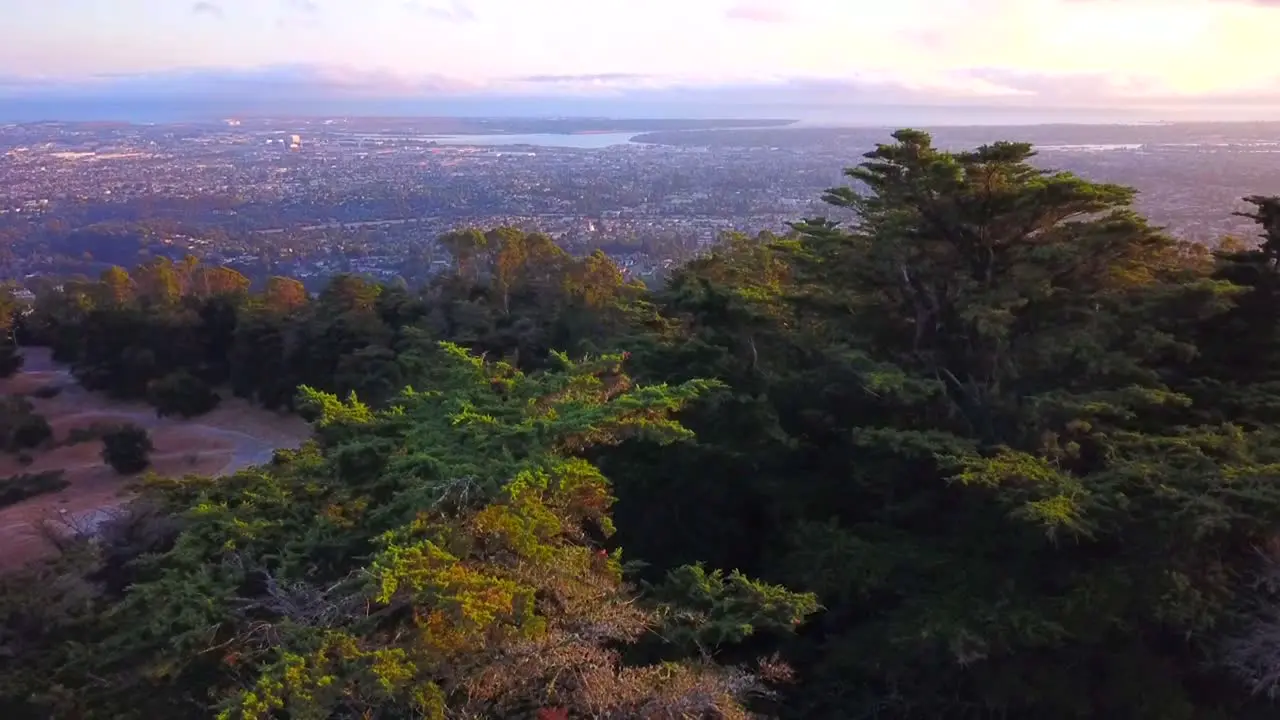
{"x": 782, "y": 57}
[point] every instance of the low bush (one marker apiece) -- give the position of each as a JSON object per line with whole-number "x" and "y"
{"x": 95, "y": 431}
{"x": 183, "y": 394}
{"x": 127, "y": 449}
{"x": 47, "y": 392}
{"x": 15, "y": 489}
{"x": 10, "y": 360}
{"x": 21, "y": 427}
{"x": 32, "y": 431}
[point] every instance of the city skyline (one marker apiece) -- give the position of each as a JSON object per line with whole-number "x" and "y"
{"x": 1176, "y": 58}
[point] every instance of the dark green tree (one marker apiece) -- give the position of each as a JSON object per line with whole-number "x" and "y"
{"x": 21, "y": 427}
{"x": 10, "y": 359}
{"x": 1237, "y": 373}
{"x": 10, "y": 314}
{"x": 958, "y": 422}
{"x": 31, "y": 432}
{"x": 127, "y": 449}
{"x": 181, "y": 393}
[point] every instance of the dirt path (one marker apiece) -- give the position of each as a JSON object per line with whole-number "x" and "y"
{"x": 247, "y": 450}
{"x": 233, "y": 437}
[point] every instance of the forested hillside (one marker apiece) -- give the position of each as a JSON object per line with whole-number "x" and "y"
{"x": 999, "y": 449}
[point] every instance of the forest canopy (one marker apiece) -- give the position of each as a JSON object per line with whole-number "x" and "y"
{"x": 998, "y": 448}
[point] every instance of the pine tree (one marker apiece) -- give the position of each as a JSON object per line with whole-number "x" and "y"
{"x": 1237, "y": 374}
{"x": 972, "y": 448}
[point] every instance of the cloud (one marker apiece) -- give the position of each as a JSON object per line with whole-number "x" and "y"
{"x": 757, "y": 11}
{"x": 287, "y": 82}
{"x": 454, "y": 11}
{"x": 1064, "y": 87}
{"x": 589, "y": 77}
{"x": 1118, "y": 90}
{"x": 346, "y": 90}
{"x": 298, "y": 13}
{"x": 207, "y": 8}
{"x": 1258, "y": 3}
{"x": 585, "y": 85}
{"x": 283, "y": 82}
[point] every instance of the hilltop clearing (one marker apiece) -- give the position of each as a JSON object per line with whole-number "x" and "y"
{"x": 234, "y": 436}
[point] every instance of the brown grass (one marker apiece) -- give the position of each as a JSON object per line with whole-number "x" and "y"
{"x": 27, "y": 382}
{"x": 241, "y": 416}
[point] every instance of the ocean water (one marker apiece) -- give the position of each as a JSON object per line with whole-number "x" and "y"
{"x": 585, "y": 141}
{"x": 211, "y": 109}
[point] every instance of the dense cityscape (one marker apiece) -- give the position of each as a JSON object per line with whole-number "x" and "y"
{"x": 312, "y": 197}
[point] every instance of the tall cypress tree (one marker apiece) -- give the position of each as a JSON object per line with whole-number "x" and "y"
{"x": 982, "y": 464}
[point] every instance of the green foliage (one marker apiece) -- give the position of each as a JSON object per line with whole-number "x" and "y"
{"x": 14, "y": 490}
{"x": 181, "y": 393}
{"x": 21, "y": 428}
{"x": 95, "y": 431}
{"x": 439, "y": 558}
{"x": 516, "y": 296}
{"x": 1235, "y": 374}
{"x": 706, "y": 611}
{"x": 10, "y": 312}
{"x": 962, "y": 424}
{"x": 30, "y": 433}
{"x": 47, "y": 392}
{"x": 10, "y": 359}
{"x": 127, "y": 449}
{"x": 123, "y": 332}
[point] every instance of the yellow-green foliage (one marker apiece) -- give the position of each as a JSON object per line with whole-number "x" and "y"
{"x": 432, "y": 560}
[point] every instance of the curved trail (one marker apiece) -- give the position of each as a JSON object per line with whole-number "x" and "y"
{"x": 246, "y": 451}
